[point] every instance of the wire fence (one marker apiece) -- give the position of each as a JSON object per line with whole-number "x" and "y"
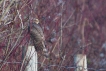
{"x": 66, "y": 67}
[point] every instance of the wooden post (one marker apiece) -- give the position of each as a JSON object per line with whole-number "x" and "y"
{"x": 80, "y": 62}
{"x": 31, "y": 58}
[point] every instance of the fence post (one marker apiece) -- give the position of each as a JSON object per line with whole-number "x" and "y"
{"x": 31, "y": 58}
{"x": 80, "y": 62}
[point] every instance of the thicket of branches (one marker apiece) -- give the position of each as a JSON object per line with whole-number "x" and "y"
{"x": 70, "y": 27}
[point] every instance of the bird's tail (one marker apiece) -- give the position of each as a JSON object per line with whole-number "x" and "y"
{"x": 45, "y": 51}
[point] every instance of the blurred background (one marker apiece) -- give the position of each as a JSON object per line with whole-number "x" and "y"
{"x": 70, "y": 27}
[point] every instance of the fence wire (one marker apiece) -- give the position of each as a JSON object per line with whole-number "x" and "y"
{"x": 46, "y": 67}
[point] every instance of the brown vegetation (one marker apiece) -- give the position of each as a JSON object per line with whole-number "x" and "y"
{"x": 70, "y": 27}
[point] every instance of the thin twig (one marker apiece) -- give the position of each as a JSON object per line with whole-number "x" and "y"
{"x": 20, "y": 18}
{"x": 61, "y": 34}
{"x": 11, "y": 49}
{"x": 69, "y": 18}
{"x": 3, "y": 7}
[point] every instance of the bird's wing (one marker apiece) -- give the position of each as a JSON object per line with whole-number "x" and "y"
{"x": 39, "y": 30}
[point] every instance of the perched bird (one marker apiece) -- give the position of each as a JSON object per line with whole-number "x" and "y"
{"x": 37, "y": 37}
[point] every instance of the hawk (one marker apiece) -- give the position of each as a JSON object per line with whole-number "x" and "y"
{"x": 37, "y": 38}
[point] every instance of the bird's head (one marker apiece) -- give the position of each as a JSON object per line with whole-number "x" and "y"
{"x": 36, "y": 21}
